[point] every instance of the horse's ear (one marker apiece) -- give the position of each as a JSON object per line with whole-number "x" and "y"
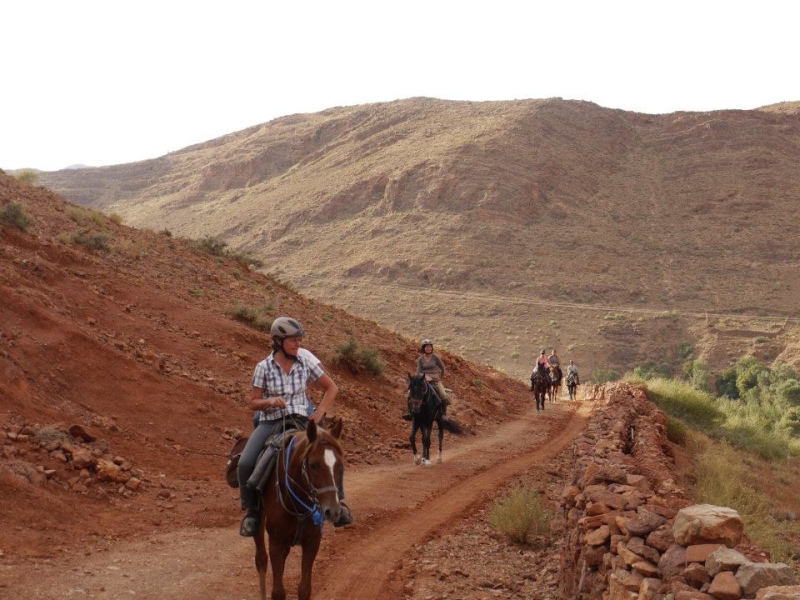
{"x": 336, "y": 427}
{"x": 311, "y": 431}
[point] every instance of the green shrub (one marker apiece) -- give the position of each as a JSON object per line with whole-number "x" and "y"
{"x": 246, "y": 258}
{"x": 726, "y": 384}
{"x": 116, "y": 218}
{"x": 677, "y": 431}
{"x": 92, "y": 241}
{"x": 698, "y": 375}
{"x": 682, "y": 401}
{"x": 604, "y": 375}
{"x": 748, "y": 370}
{"x": 520, "y": 515}
{"x": 651, "y": 370}
{"x": 210, "y": 245}
{"x": 82, "y": 216}
{"x": 27, "y": 176}
{"x": 357, "y": 359}
{"x": 251, "y": 316}
{"x": 723, "y": 479}
{"x": 13, "y": 216}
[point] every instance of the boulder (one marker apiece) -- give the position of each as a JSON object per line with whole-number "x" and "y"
{"x": 707, "y": 524}
{"x": 754, "y": 576}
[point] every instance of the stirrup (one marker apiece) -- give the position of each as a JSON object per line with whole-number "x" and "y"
{"x": 407, "y": 417}
{"x": 345, "y": 516}
{"x": 250, "y": 524}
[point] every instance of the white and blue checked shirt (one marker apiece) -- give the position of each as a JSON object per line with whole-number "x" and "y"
{"x": 291, "y": 387}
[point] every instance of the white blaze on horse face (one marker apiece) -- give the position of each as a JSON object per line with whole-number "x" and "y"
{"x": 330, "y": 460}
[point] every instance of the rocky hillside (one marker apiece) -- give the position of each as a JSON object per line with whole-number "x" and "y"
{"x": 502, "y": 227}
{"x": 124, "y": 376}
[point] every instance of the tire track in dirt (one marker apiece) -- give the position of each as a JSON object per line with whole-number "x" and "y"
{"x": 397, "y": 505}
{"x": 363, "y": 567}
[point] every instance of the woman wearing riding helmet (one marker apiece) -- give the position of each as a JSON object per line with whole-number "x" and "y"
{"x": 279, "y": 393}
{"x": 431, "y": 366}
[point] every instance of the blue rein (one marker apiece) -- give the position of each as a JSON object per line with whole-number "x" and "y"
{"x": 313, "y": 511}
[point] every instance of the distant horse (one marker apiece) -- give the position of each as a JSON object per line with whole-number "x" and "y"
{"x": 539, "y": 386}
{"x": 572, "y": 385}
{"x": 300, "y": 494}
{"x": 555, "y": 383}
{"x": 426, "y": 408}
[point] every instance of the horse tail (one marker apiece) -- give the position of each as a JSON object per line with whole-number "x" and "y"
{"x": 452, "y": 426}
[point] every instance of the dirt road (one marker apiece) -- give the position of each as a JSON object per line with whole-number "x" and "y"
{"x": 396, "y": 505}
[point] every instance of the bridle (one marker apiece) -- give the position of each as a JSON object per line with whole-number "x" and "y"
{"x": 305, "y": 510}
{"x": 415, "y": 404}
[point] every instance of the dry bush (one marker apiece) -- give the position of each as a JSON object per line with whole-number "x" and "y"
{"x": 521, "y": 515}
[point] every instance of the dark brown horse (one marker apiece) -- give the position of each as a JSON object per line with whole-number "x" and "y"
{"x": 301, "y": 494}
{"x": 539, "y": 386}
{"x": 425, "y": 408}
{"x": 572, "y": 385}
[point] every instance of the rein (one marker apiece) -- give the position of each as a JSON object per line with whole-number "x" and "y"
{"x": 310, "y": 511}
{"x": 426, "y": 398}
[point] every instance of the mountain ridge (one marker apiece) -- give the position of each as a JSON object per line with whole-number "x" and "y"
{"x": 548, "y": 199}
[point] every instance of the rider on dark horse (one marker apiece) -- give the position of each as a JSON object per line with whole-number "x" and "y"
{"x": 543, "y": 365}
{"x": 432, "y": 367}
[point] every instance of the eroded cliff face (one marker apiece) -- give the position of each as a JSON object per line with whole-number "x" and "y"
{"x": 631, "y": 531}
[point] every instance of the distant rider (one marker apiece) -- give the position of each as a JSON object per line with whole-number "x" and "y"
{"x": 572, "y": 370}
{"x": 556, "y": 362}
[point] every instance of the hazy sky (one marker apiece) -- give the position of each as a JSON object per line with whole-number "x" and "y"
{"x": 116, "y": 81}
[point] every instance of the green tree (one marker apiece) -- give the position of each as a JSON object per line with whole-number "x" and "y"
{"x": 698, "y": 375}
{"x": 726, "y": 384}
{"x": 748, "y": 370}
{"x": 651, "y": 370}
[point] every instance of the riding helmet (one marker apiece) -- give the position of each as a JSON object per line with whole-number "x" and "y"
{"x": 284, "y": 327}
{"x": 425, "y": 342}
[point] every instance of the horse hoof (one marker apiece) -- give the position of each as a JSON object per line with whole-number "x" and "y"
{"x": 417, "y": 460}
{"x": 426, "y": 463}
{"x": 439, "y": 460}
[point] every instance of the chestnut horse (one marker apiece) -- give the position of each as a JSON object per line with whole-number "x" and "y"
{"x": 300, "y": 494}
{"x": 555, "y": 383}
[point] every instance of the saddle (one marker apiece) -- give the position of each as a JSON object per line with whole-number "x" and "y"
{"x": 266, "y": 460}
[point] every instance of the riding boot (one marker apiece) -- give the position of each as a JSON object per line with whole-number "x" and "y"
{"x": 345, "y": 516}
{"x": 250, "y": 523}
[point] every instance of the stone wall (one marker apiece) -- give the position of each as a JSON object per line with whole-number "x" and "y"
{"x": 631, "y": 532}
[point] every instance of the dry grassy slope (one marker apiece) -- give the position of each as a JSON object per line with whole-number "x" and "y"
{"x": 419, "y": 205}
{"x": 135, "y": 344}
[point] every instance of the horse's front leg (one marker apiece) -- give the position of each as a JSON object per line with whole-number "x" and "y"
{"x": 413, "y": 439}
{"x": 261, "y": 561}
{"x": 426, "y": 445}
{"x": 310, "y": 549}
{"x": 278, "y": 552}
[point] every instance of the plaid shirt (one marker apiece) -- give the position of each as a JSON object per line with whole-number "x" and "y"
{"x": 291, "y": 387}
